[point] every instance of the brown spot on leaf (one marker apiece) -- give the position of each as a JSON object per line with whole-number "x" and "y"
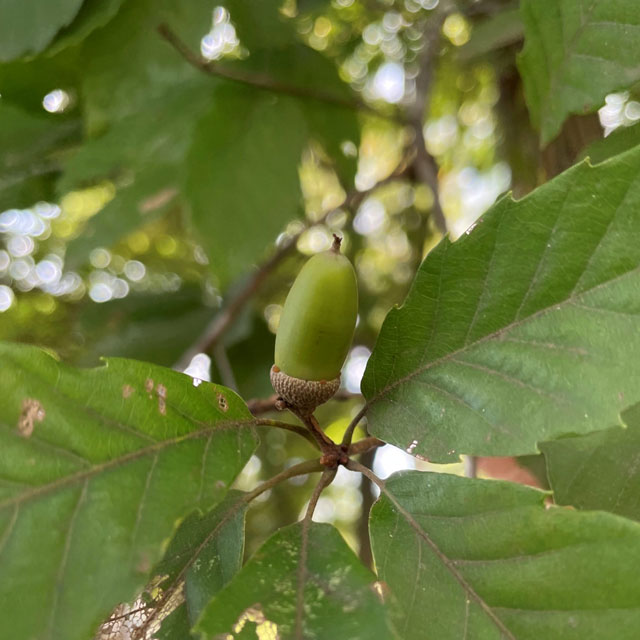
{"x": 222, "y": 402}
{"x": 162, "y": 399}
{"x": 30, "y": 413}
{"x": 148, "y": 385}
{"x": 127, "y": 390}
{"x": 144, "y": 564}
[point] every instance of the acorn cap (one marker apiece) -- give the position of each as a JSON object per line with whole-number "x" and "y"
{"x": 303, "y": 395}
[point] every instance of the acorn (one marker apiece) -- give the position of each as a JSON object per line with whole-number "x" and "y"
{"x": 315, "y": 331}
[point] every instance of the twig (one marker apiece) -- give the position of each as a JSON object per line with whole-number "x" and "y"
{"x": 362, "y": 525}
{"x": 325, "y": 481}
{"x": 258, "y": 406}
{"x": 294, "y": 428}
{"x": 263, "y": 81}
{"x": 365, "y": 445}
{"x": 348, "y": 434}
{"x": 301, "y": 469}
{"x": 225, "y": 318}
{"x": 332, "y": 454}
{"x": 223, "y": 365}
{"x": 424, "y": 163}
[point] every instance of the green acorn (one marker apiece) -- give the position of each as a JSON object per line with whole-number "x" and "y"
{"x": 315, "y": 331}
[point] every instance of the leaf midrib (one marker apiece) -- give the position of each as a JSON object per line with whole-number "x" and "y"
{"x": 495, "y": 334}
{"x": 115, "y": 463}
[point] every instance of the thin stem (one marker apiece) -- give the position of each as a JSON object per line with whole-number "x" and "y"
{"x": 223, "y": 365}
{"x": 348, "y": 434}
{"x": 425, "y": 166}
{"x": 294, "y": 428}
{"x": 314, "y": 427}
{"x": 227, "y": 316}
{"x": 365, "y": 445}
{"x": 325, "y": 480}
{"x": 263, "y": 81}
{"x": 354, "y": 465}
{"x": 362, "y": 525}
{"x": 258, "y": 406}
{"x": 301, "y": 469}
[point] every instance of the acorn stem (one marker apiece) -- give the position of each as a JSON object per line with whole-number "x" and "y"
{"x": 337, "y": 241}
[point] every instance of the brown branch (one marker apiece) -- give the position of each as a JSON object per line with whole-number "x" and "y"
{"x": 258, "y": 406}
{"x": 225, "y": 318}
{"x": 362, "y": 525}
{"x": 294, "y": 428}
{"x": 365, "y": 445}
{"x": 348, "y": 434}
{"x": 424, "y": 164}
{"x": 263, "y": 81}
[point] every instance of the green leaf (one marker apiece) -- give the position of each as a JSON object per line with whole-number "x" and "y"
{"x": 30, "y": 145}
{"x": 93, "y": 15}
{"x": 141, "y": 67}
{"x": 145, "y": 157}
{"x": 302, "y": 583}
{"x": 496, "y": 32}
{"x": 526, "y": 328}
{"x": 260, "y": 25}
{"x": 97, "y": 467}
{"x": 204, "y": 555}
{"x": 156, "y": 328}
{"x": 312, "y": 74}
{"x": 484, "y": 559}
{"x": 575, "y": 53}
{"x": 243, "y": 182}
{"x": 619, "y": 141}
{"x": 29, "y": 28}
{"x": 600, "y": 470}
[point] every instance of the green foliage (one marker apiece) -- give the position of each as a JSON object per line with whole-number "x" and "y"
{"x": 507, "y": 322}
{"x": 205, "y": 553}
{"x": 485, "y": 559}
{"x": 111, "y": 471}
{"x": 576, "y": 51}
{"x": 231, "y": 144}
{"x": 303, "y": 582}
{"x": 600, "y": 470}
{"x": 25, "y": 32}
{"x": 193, "y": 156}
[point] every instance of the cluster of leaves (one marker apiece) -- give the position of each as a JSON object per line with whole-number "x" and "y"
{"x": 520, "y": 337}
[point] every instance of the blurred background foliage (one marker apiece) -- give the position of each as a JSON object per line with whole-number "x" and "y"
{"x": 146, "y": 174}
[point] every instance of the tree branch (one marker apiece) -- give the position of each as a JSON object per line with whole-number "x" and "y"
{"x": 294, "y": 428}
{"x": 258, "y": 406}
{"x": 225, "y": 318}
{"x": 263, "y": 81}
{"x": 424, "y": 163}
